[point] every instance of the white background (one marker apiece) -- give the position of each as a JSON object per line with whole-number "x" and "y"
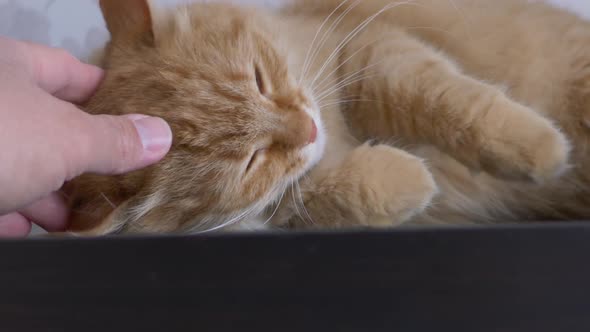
{"x": 78, "y": 26}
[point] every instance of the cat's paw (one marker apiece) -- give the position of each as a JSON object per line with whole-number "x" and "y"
{"x": 390, "y": 185}
{"x": 520, "y": 144}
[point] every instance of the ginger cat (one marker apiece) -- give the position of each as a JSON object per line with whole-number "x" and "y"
{"x": 333, "y": 113}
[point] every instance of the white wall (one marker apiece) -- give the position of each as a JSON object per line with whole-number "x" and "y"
{"x": 581, "y": 7}
{"x": 78, "y": 26}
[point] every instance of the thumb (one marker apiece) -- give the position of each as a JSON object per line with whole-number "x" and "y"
{"x": 119, "y": 144}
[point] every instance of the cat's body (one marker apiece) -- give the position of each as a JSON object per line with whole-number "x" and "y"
{"x": 538, "y": 55}
{"x": 413, "y": 76}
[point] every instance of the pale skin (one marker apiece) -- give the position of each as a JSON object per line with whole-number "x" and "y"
{"x": 46, "y": 140}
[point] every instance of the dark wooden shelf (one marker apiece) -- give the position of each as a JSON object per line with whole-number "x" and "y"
{"x": 528, "y": 278}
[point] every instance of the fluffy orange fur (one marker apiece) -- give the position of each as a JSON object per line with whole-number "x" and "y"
{"x": 475, "y": 111}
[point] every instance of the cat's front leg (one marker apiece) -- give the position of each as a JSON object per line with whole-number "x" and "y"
{"x": 415, "y": 93}
{"x": 375, "y": 186}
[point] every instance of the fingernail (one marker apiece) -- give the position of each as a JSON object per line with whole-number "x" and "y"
{"x": 155, "y": 133}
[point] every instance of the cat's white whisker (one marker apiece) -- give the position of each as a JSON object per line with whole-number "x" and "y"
{"x": 108, "y": 200}
{"x": 149, "y": 203}
{"x": 353, "y": 34}
{"x": 276, "y": 209}
{"x": 347, "y": 60}
{"x": 295, "y": 202}
{"x": 343, "y": 85}
{"x": 329, "y": 32}
{"x": 347, "y": 98}
{"x": 303, "y": 204}
{"x": 309, "y": 50}
{"x": 229, "y": 222}
{"x": 349, "y": 76}
{"x": 344, "y": 80}
{"x": 320, "y": 84}
{"x": 342, "y": 102}
{"x": 340, "y": 87}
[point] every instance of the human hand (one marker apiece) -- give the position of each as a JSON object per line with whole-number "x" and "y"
{"x": 45, "y": 140}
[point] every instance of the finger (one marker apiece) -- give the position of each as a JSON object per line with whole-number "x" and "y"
{"x": 108, "y": 144}
{"x": 14, "y": 225}
{"x": 51, "y": 213}
{"x": 61, "y": 74}
{"x": 65, "y": 142}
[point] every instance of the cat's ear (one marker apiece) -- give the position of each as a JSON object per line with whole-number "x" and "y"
{"x": 129, "y": 21}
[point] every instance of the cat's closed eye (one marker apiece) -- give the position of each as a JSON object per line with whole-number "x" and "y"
{"x": 255, "y": 157}
{"x": 260, "y": 81}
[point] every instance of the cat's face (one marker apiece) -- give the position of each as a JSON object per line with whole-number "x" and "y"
{"x": 244, "y": 128}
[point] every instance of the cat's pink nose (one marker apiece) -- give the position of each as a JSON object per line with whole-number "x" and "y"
{"x": 314, "y": 133}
